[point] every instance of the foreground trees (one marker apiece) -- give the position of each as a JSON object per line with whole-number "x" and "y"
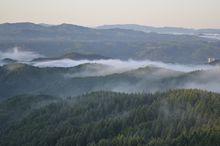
{"x": 175, "y": 118}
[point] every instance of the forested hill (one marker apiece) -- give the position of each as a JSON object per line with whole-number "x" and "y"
{"x": 174, "y": 118}
{"x": 18, "y": 79}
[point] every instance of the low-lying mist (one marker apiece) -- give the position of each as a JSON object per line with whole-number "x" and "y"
{"x": 205, "y": 80}
{"x": 18, "y": 54}
{"x": 22, "y": 56}
{"x": 124, "y": 65}
{"x": 111, "y": 74}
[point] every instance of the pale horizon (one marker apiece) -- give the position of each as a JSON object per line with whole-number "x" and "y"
{"x": 195, "y": 14}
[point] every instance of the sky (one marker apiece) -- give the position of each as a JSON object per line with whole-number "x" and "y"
{"x": 179, "y": 13}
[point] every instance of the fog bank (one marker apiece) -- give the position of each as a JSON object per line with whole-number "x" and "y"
{"x": 124, "y": 65}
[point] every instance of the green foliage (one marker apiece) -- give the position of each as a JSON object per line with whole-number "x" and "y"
{"x": 174, "y": 118}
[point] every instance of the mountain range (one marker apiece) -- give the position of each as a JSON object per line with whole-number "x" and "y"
{"x": 57, "y": 40}
{"x": 120, "y": 85}
{"x": 164, "y": 30}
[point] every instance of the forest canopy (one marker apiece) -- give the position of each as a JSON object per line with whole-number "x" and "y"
{"x": 174, "y": 118}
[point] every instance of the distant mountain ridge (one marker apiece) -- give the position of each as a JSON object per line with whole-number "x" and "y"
{"x": 117, "y": 43}
{"x": 169, "y": 30}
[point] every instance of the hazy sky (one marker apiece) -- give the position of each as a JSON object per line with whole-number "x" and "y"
{"x": 182, "y": 13}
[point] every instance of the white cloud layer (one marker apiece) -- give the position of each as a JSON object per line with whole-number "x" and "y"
{"x": 124, "y": 65}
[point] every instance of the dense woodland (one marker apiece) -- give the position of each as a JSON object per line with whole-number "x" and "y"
{"x": 174, "y": 118}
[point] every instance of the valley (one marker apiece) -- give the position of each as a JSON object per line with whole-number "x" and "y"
{"x": 126, "y": 85}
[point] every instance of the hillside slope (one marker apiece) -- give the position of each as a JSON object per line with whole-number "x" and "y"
{"x": 179, "y": 117}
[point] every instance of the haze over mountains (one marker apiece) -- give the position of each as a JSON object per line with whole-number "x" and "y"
{"x": 73, "y": 60}
{"x": 57, "y": 40}
{"x": 24, "y": 71}
{"x": 108, "y": 75}
{"x": 206, "y": 33}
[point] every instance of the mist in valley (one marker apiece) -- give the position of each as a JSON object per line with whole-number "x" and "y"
{"x": 22, "y": 56}
{"x": 110, "y": 74}
{"x": 18, "y": 54}
{"x": 69, "y": 75}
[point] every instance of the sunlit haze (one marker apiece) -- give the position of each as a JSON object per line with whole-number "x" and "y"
{"x": 180, "y": 13}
